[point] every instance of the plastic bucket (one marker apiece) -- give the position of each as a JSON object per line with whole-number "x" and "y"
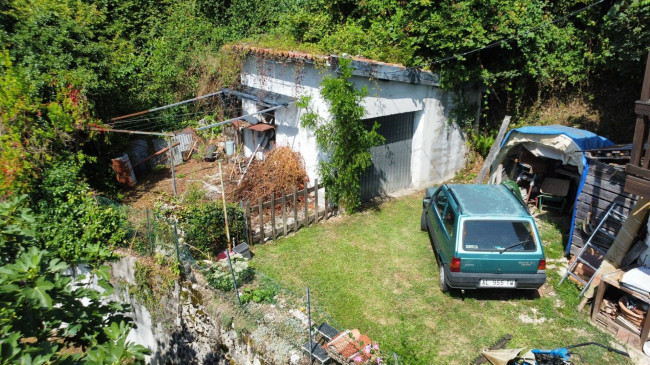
{"x": 230, "y": 148}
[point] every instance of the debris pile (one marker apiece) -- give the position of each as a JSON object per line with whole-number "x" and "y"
{"x": 282, "y": 169}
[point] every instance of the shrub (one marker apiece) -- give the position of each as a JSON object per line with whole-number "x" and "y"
{"x": 218, "y": 274}
{"x": 204, "y": 227}
{"x": 262, "y": 294}
{"x": 70, "y": 221}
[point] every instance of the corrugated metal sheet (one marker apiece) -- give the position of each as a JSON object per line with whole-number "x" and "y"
{"x": 163, "y": 159}
{"x": 391, "y": 162}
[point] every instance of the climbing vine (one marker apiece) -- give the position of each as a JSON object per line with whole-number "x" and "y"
{"x": 343, "y": 137}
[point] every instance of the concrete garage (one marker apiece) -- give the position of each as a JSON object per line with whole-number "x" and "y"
{"x": 422, "y": 146}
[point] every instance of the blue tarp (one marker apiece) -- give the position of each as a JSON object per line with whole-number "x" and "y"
{"x": 584, "y": 139}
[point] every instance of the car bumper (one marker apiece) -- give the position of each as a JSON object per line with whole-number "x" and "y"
{"x": 470, "y": 280}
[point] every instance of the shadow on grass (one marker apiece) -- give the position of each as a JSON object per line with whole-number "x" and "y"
{"x": 499, "y": 294}
{"x": 561, "y": 221}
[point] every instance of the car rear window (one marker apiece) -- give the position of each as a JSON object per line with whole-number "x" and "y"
{"x": 495, "y": 235}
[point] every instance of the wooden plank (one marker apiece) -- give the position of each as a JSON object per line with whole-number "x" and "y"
{"x": 603, "y": 168}
{"x": 637, "y": 141}
{"x": 273, "y": 229}
{"x": 295, "y": 210}
{"x": 642, "y": 108}
{"x": 623, "y": 200}
{"x": 284, "y": 213}
{"x": 638, "y": 171}
{"x": 603, "y": 184}
{"x": 316, "y": 199}
{"x": 261, "y": 209}
{"x": 638, "y": 186}
{"x": 249, "y": 222}
{"x": 618, "y": 176}
{"x": 604, "y": 194}
{"x": 496, "y": 146}
{"x": 306, "y": 206}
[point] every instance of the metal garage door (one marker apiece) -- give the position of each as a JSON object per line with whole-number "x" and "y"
{"x": 391, "y": 162}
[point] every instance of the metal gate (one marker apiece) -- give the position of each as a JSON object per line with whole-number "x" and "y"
{"x": 391, "y": 162}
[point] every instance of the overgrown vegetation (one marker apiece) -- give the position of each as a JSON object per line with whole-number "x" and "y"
{"x": 46, "y": 316}
{"x": 344, "y": 137}
{"x": 205, "y": 231}
{"x": 219, "y": 275}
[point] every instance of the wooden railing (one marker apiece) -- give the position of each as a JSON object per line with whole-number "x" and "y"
{"x": 638, "y": 170}
{"x": 286, "y": 213}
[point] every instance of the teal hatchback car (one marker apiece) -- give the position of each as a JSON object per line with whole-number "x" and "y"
{"x": 483, "y": 236}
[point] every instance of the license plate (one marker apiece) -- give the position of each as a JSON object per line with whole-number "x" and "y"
{"x": 485, "y": 283}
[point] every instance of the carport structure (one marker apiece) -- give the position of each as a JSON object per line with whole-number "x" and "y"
{"x": 167, "y": 122}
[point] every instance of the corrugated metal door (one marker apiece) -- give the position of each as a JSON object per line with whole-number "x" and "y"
{"x": 391, "y": 162}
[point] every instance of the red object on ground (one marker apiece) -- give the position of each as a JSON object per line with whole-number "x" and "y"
{"x": 223, "y": 255}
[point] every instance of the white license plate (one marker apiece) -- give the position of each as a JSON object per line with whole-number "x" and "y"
{"x": 485, "y": 283}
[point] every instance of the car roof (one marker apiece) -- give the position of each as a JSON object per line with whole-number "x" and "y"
{"x": 487, "y": 200}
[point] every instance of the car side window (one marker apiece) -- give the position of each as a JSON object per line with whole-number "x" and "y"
{"x": 440, "y": 203}
{"x": 449, "y": 221}
{"x": 446, "y": 212}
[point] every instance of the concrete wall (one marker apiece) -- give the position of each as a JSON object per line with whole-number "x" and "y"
{"x": 439, "y": 148}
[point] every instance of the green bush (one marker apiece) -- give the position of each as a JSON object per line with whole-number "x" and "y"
{"x": 204, "y": 226}
{"x": 262, "y": 294}
{"x": 71, "y": 222}
{"x": 219, "y": 276}
{"x": 481, "y": 142}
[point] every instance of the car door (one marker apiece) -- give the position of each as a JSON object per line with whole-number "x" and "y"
{"x": 441, "y": 220}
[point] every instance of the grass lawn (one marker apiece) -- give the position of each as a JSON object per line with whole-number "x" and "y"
{"x": 375, "y": 271}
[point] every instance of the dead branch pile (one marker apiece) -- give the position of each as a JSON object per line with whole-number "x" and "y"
{"x": 282, "y": 169}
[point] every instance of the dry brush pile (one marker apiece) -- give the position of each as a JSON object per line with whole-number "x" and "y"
{"x": 282, "y": 169}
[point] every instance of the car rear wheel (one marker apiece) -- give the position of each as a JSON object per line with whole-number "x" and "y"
{"x": 423, "y": 220}
{"x": 441, "y": 277}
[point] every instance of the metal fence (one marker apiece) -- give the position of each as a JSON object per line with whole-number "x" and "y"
{"x": 152, "y": 234}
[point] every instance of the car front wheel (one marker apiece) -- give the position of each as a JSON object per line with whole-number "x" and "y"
{"x": 441, "y": 277}
{"x": 423, "y": 220}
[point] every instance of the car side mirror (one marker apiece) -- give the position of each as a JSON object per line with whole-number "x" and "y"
{"x": 426, "y": 202}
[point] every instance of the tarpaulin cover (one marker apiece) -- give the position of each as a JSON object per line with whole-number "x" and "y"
{"x": 557, "y": 142}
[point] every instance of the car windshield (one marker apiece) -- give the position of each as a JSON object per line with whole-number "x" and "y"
{"x": 495, "y": 235}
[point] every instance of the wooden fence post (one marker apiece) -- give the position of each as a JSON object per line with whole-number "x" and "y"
{"x": 327, "y": 206}
{"x": 295, "y": 209}
{"x": 273, "y": 230}
{"x": 306, "y": 206}
{"x": 284, "y": 213}
{"x": 261, "y": 210}
{"x": 316, "y": 199}
{"x": 249, "y": 222}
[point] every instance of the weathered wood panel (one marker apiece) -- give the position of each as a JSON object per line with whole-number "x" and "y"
{"x": 603, "y": 186}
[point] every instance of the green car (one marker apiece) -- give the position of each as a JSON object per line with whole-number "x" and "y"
{"x": 483, "y": 236}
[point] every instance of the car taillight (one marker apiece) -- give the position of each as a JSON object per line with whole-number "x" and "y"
{"x": 455, "y": 264}
{"x": 542, "y": 265}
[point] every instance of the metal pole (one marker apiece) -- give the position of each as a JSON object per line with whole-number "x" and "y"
{"x": 311, "y": 355}
{"x": 225, "y": 212}
{"x": 166, "y": 106}
{"x": 171, "y": 163}
{"x": 101, "y": 129}
{"x": 240, "y": 117}
{"x": 234, "y": 282}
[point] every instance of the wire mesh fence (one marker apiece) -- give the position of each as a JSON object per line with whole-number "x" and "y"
{"x": 259, "y": 298}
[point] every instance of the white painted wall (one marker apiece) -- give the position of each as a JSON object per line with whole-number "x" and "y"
{"x": 439, "y": 148}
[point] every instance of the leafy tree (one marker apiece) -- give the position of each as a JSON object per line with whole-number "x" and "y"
{"x": 46, "y": 316}
{"x": 344, "y": 137}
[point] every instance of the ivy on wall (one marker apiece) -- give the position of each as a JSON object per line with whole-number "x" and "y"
{"x": 343, "y": 137}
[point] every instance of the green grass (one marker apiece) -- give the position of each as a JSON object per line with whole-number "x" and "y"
{"x": 375, "y": 271}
